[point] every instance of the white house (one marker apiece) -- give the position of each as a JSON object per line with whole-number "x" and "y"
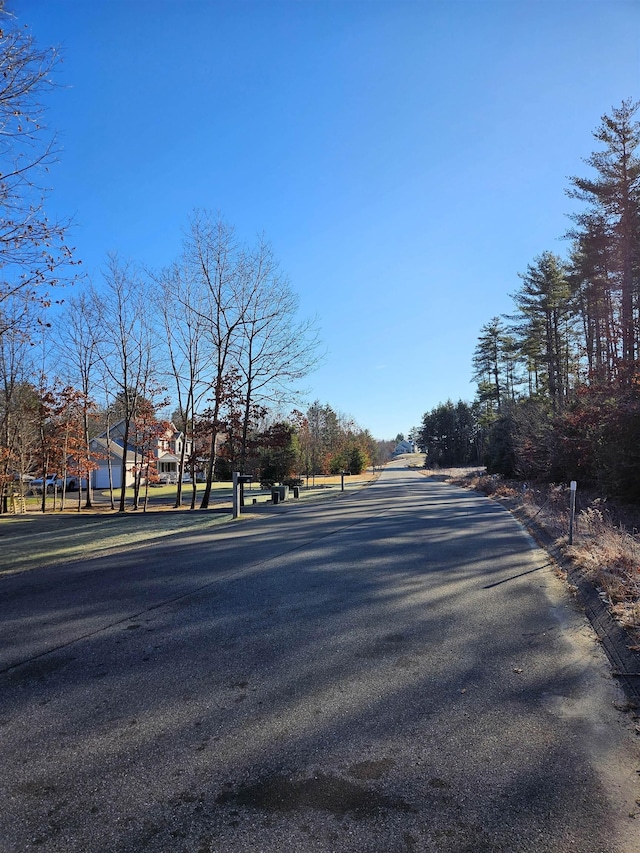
{"x": 168, "y": 451}
{"x": 110, "y": 447}
{"x": 405, "y": 446}
{"x": 105, "y": 452}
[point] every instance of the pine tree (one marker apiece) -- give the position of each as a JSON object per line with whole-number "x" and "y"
{"x": 593, "y": 295}
{"x": 544, "y": 322}
{"x": 613, "y": 196}
{"x": 489, "y": 364}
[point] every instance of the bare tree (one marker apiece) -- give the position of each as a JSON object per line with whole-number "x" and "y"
{"x": 32, "y": 248}
{"x": 126, "y": 344}
{"x": 182, "y": 308}
{"x": 106, "y": 392}
{"x": 79, "y": 336}
{"x": 233, "y": 339}
{"x": 275, "y": 349}
{"x": 212, "y": 258}
{"x": 17, "y": 405}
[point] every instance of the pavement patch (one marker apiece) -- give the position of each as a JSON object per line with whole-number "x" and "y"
{"x": 339, "y": 797}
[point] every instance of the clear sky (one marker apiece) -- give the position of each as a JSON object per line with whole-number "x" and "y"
{"x": 405, "y": 159}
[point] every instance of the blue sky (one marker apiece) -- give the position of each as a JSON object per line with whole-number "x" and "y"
{"x": 405, "y": 159}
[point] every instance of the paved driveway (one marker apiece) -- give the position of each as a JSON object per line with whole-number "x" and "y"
{"x": 393, "y": 670}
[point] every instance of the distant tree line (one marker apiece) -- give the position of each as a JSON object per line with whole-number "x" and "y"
{"x": 558, "y": 379}
{"x": 317, "y": 441}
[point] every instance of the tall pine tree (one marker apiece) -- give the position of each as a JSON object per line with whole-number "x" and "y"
{"x": 613, "y": 199}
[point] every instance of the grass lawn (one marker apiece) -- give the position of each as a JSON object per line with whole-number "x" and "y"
{"x": 35, "y": 540}
{"x": 158, "y": 496}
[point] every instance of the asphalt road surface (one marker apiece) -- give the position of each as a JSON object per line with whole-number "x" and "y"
{"x": 397, "y": 669}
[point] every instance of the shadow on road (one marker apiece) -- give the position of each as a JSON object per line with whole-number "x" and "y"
{"x": 375, "y": 674}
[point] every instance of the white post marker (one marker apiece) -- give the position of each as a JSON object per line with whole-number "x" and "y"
{"x": 572, "y": 511}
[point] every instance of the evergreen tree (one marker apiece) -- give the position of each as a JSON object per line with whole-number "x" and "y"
{"x": 544, "y": 323}
{"x": 594, "y": 299}
{"x": 279, "y": 453}
{"x": 449, "y": 434}
{"x": 613, "y": 197}
{"x": 489, "y": 362}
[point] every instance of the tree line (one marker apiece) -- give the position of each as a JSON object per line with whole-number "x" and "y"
{"x": 558, "y": 382}
{"x": 215, "y": 335}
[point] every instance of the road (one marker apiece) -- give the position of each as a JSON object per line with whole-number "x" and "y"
{"x": 397, "y": 669}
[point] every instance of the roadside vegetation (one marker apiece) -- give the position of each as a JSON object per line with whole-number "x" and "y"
{"x": 606, "y": 535}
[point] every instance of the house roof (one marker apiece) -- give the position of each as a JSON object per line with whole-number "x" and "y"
{"x": 112, "y": 447}
{"x": 116, "y": 432}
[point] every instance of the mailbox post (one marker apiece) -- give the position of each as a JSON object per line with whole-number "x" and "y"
{"x": 238, "y": 492}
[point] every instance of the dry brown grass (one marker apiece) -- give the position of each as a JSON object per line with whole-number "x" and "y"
{"x": 606, "y": 542}
{"x": 610, "y": 556}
